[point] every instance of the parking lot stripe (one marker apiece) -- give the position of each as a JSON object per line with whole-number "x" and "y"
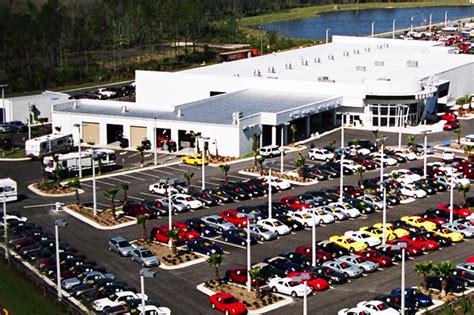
{"x": 104, "y": 183}
{"x": 136, "y": 198}
{"x": 238, "y": 177}
{"x": 120, "y": 180}
{"x": 134, "y": 154}
{"x": 87, "y": 185}
{"x": 134, "y": 177}
{"x": 161, "y": 171}
{"x": 38, "y": 206}
{"x": 147, "y": 194}
{"x": 103, "y": 204}
{"x": 230, "y": 244}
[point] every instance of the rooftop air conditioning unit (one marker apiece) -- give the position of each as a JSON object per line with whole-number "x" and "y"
{"x": 236, "y": 117}
{"x": 361, "y": 68}
{"x": 412, "y": 64}
{"x": 123, "y": 109}
{"x": 379, "y": 63}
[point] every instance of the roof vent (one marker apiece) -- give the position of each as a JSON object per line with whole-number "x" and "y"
{"x": 74, "y": 105}
{"x": 179, "y": 113}
{"x": 271, "y": 69}
{"x": 379, "y": 63}
{"x": 236, "y": 117}
{"x": 123, "y": 109}
{"x": 317, "y": 60}
{"x": 412, "y": 63}
{"x": 361, "y": 68}
{"x": 325, "y": 79}
{"x": 288, "y": 66}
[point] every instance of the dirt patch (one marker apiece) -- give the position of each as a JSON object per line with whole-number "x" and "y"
{"x": 241, "y": 293}
{"x": 256, "y": 170}
{"x": 164, "y": 254}
{"x": 220, "y": 159}
{"x": 104, "y": 218}
{"x": 50, "y": 187}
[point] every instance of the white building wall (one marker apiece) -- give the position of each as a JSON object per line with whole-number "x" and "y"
{"x": 17, "y": 108}
{"x": 461, "y": 80}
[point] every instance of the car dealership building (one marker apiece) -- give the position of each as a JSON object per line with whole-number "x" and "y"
{"x": 374, "y": 82}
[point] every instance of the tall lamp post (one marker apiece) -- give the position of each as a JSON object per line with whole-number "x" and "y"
{"x": 78, "y": 126}
{"x": 425, "y": 155}
{"x": 341, "y": 178}
{"x": 282, "y": 160}
{"x": 431, "y": 20}
{"x": 170, "y": 213}
{"x": 144, "y": 273}
{"x": 327, "y": 35}
{"x": 94, "y": 186}
{"x": 400, "y": 125}
{"x": 249, "y": 259}
{"x": 411, "y": 23}
{"x": 373, "y": 29}
{"x": 204, "y": 140}
{"x": 381, "y": 140}
{"x": 155, "y": 144}
{"x": 269, "y": 164}
{"x": 57, "y": 224}
{"x": 384, "y": 212}
{"x": 5, "y": 228}
{"x": 402, "y": 246}
{"x": 393, "y": 27}
{"x": 445, "y": 18}
{"x": 451, "y": 196}
{"x": 3, "y": 86}
{"x": 313, "y": 241}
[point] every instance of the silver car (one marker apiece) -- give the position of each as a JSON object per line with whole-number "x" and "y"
{"x": 262, "y": 233}
{"x": 335, "y": 212}
{"x": 457, "y": 227}
{"x": 175, "y": 206}
{"x": 68, "y": 284}
{"x": 361, "y": 262}
{"x": 347, "y": 269}
{"x": 121, "y": 246}
{"x": 372, "y": 200}
{"x": 145, "y": 257}
{"x": 218, "y": 223}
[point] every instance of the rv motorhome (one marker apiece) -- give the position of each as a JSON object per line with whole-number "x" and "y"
{"x": 8, "y": 188}
{"x": 70, "y": 162}
{"x": 44, "y": 145}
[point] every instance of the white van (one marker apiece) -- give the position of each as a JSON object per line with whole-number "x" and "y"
{"x": 8, "y": 188}
{"x": 270, "y": 151}
{"x": 44, "y": 145}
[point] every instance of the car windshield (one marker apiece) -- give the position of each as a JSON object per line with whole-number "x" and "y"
{"x": 124, "y": 244}
{"x": 349, "y": 241}
{"x": 277, "y": 223}
{"x": 344, "y": 266}
{"x": 360, "y": 260}
{"x": 220, "y": 220}
{"x": 240, "y": 215}
{"x": 306, "y": 216}
{"x": 382, "y": 307}
{"x": 147, "y": 253}
{"x": 230, "y": 300}
{"x": 207, "y": 244}
{"x": 293, "y": 283}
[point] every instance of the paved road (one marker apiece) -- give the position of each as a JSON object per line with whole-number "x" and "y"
{"x": 176, "y": 289}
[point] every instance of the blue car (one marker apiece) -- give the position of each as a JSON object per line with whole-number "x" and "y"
{"x": 204, "y": 246}
{"x": 201, "y": 227}
{"x": 415, "y": 297}
{"x": 238, "y": 236}
{"x": 284, "y": 264}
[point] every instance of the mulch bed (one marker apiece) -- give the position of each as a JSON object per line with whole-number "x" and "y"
{"x": 256, "y": 170}
{"x": 51, "y": 188}
{"x": 163, "y": 252}
{"x": 104, "y": 218}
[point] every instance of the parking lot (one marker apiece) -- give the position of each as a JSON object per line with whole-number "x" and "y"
{"x": 168, "y": 287}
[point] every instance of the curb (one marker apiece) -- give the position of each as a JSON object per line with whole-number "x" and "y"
{"x": 97, "y": 225}
{"x": 314, "y": 182}
{"x": 286, "y": 300}
{"x": 15, "y": 159}
{"x": 440, "y": 147}
{"x": 183, "y": 265}
{"x": 40, "y": 193}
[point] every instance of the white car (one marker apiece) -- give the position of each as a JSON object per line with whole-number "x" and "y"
{"x": 187, "y": 200}
{"x": 448, "y": 156}
{"x": 469, "y": 138}
{"x": 304, "y": 218}
{"x": 270, "y": 151}
{"x": 377, "y": 308}
{"x": 116, "y": 299}
{"x": 155, "y": 310}
{"x": 352, "y": 311}
{"x": 358, "y": 150}
{"x": 346, "y": 208}
{"x": 275, "y": 226}
{"x": 337, "y": 213}
{"x": 161, "y": 189}
{"x": 277, "y": 183}
{"x": 412, "y": 191}
{"x": 320, "y": 154}
{"x": 456, "y": 227}
{"x": 289, "y": 287}
{"x": 105, "y": 93}
{"x": 457, "y": 179}
{"x": 363, "y": 237}
{"x": 406, "y": 153}
{"x": 353, "y": 166}
{"x": 373, "y": 200}
{"x": 320, "y": 215}
{"x": 408, "y": 175}
{"x": 377, "y": 156}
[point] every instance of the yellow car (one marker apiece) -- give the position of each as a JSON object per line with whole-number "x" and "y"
{"x": 455, "y": 237}
{"x": 377, "y": 232}
{"x": 396, "y": 231}
{"x": 348, "y": 243}
{"x": 419, "y": 222}
{"x": 194, "y": 160}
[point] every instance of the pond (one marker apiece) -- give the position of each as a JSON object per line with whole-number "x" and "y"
{"x": 359, "y": 22}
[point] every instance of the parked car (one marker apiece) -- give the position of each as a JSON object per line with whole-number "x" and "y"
{"x": 218, "y": 223}
{"x": 350, "y": 271}
{"x": 135, "y": 209}
{"x": 312, "y": 279}
{"x": 270, "y": 151}
{"x": 275, "y": 226}
{"x": 116, "y": 299}
{"x": 320, "y": 154}
{"x": 289, "y": 287}
{"x": 201, "y": 227}
{"x": 145, "y": 257}
{"x": 414, "y": 296}
{"x": 238, "y": 236}
{"x": 376, "y": 257}
{"x": 121, "y": 246}
{"x": 452, "y": 125}
{"x": 204, "y": 246}
{"x": 236, "y": 218}
{"x": 227, "y": 303}
{"x": 262, "y": 233}
{"x": 377, "y": 307}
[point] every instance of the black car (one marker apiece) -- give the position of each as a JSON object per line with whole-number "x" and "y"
{"x": 290, "y": 222}
{"x": 395, "y": 302}
{"x": 360, "y": 205}
{"x": 441, "y": 213}
{"x": 442, "y": 241}
{"x": 417, "y": 170}
{"x": 201, "y": 227}
{"x": 334, "y": 249}
{"x": 345, "y": 169}
{"x": 306, "y": 172}
{"x": 284, "y": 264}
{"x": 427, "y": 188}
{"x": 331, "y": 171}
{"x": 158, "y": 208}
{"x": 398, "y": 158}
{"x": 394, "y": 254}
{"x": 467, "y": 277}
{"x": 318, "y": 173}
{"x": 329, "y": 197}
{"x": 367, "y": 144}
{"x": 370, "y": 183}
{"x": 406, "y": 226}
{"x": 436, "y": 185}
{"x": 297, "y": 258}
{"x": 261, "y": 183}
{"x": 220, "y": 195}
{"x": 331, "y": 275}
{"x": 207, "y": 199}
{"x": 268, "y": 271}
{"x": 392, "y": 199}
{"x": 234, "y": 192}
{"x": 278, "y": 208}
{"x": 455, "y": 284}
{"x": 256, "y": 190}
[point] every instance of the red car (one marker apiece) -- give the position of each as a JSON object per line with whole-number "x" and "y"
{"x": 411, "y": 249}
{"x": 421, "y": 241}
{"x": 368, "y": 164}
{"x": 376, "y": 257}
{"x": 449, "y": 116}
{"x": 350, "y": 190}
{"x": 433, "y": 218}
{"x": 238, "y": 275}
{"x": 236, "y": 218}
{"x": 294, "y": 203}
{"x": 185, "y": 231}
{"x": 470, "y": 259}
{"x": 311, "y": 278}
{"x": 158, "y": 233}
{"x": 321, "y": 255}
{"x": 227, "y": 303}
{"x": 451, "y": 125}
{"x": 463, "y": 212}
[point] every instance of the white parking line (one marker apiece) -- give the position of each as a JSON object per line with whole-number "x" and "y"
{"x": 136, "y": 198}
{"x": 109, "y": 184}
{"x": 226, "y": 243}
{"x": 87, "y": 185}
{"x": 238, "y": 177}
{"x": 38, "y": 206}
{"x": 103, "y": 204}
{"x": 150, "y": 175}
{"x": 134, "y": 154}
{"x": 134, "y": 177}
{"x": 220, "y": 180}
{"x": 147, "y": 194}
{"x": 120, "y": 180}
{"x": 161, "y": 171}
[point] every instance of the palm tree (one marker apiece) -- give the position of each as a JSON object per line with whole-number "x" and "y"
{"x": 188, "y": 176}
{"x": 463, "y": 189}
{"x": 300, "y": 161}
{"x": 142, "y": 220}
{"x": 58, "y": 170}
{"x": 76, "y": 184}
{"x": 225, "y": 169}
{"x": 332, "y": 144}
{"x": 411, "y": 140}
{"x": 257, "y": 275}
{"x": 443, "y": 269}
{"x": 457, "y": 132}
{"x": 141, "y": 149}
{"x": 376, "y": 134}
{"x": 255, "y": 146}
{"x": 110, "y": 195}
{"x": 468, "y": 149}
{"x": 215, "y": 261}
{"x": 260, "y": 161}
{"x": 360, "y": 171}
{"x": 125, "y": 188}
{"x": 424, "y": 269}
{"x": 173, "y": 235}
{"x": 293, "y": 130}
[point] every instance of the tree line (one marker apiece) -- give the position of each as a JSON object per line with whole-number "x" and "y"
{"x": 50, "y": 43}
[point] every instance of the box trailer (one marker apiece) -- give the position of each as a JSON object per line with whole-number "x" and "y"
{"x": 8, "y": 189}
{"x": 48, "y": 144}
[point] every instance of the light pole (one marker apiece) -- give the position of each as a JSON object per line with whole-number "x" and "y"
{"x": 57, "y": 224}
{"x": 445, "y": 18}
{"x": 411, "y": 23}
{"x": 384, "y": 214}
{"x": 400, "y": 125}
{"x": 94, "y": 192}
{"x": 5, "y": 228}
{"x": 78, "y": 126}
{"x": 425, "y": 155}
{"x": 451, "y": 196}
{"x": 393, "y": 28}
{"x": 305, "y": 300}
{"x": 313, "y": 243}
{"x": 170, "y": 212}
{"x": 431, "y": 20}
{"x": 373, "y": 29}
{"x": 282, "y": 160}
{"x": 382, "y": 140}
{"x": 341, "y": 178}
{"x": 204, "y": 140}
{"x": 402, "y": 246}
{"x": 155, "y": 144}
{"x": 144, "y": 273}
{"x": 269, "y": 164}
{"x": 249, "y": 281}
{"x": 327, "y": 35}
{"x": 3, "y": 86}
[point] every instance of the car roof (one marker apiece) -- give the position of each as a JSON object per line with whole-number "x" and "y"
{"x": 118, "y": 239}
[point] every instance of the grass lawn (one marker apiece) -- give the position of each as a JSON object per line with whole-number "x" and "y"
{"x": 312, "y": 11}
{"x": 18, "y": 153}
{"x": 20, "y": 296}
